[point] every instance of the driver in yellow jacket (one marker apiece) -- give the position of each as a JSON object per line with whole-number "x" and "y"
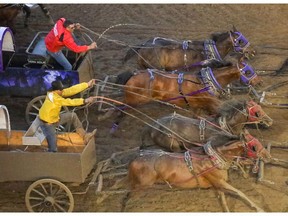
{"x": 49, "y": 113}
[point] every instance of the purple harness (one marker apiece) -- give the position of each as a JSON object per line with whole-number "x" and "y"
{"x": 208, "y": 79}
{"x": 240, "y": 43}
{"x": 211, "y": 51}
{"x": 247, "y": 73}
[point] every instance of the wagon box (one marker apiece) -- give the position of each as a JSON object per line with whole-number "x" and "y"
{"x": 31, "y": 166}
{"x": 31, "y": 73}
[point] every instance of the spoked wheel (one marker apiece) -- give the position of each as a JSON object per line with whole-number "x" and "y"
{"x": 49, "y": 195}
{"x": 33, "y": 107}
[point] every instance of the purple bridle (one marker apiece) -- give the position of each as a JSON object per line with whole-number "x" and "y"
{"x": 240, "y": 43}
{"x": 247, "y": 73}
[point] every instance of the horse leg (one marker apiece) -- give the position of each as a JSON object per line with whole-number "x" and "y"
{"x": 223, "y": 200}
{"x": 117, "y": 121}
{"x": 118, "y": 184}
{"x": 141, "y": 173}
{"x": 144, "y": 136}
{"x": 47, "y": 13}
{"x": 27, "y": 11}
{"x": 235, "y": 191}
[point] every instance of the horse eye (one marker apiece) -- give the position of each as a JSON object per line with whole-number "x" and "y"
{"x": 257, "y": 114}
{"x": 248, "y": 73}
{"x": 241, "y": 42}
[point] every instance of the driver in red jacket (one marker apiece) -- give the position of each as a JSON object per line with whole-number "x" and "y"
{"x": 61, "y": 36}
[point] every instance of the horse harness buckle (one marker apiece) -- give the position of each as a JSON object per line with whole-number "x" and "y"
{"x": 187, "y": 158}
{"x": 185, "y": 46}
{"x": 202, "y": 126}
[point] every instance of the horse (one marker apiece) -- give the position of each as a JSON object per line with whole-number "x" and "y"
{"x": 8, "y": 12}
{"x": 179, "y": 133}
{"x": 191, "y": 170}
{"x": 200, "y": 92}
{"x": 170, "y": 55}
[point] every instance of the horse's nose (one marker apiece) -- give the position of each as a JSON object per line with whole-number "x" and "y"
{"x": 249, "y": 54}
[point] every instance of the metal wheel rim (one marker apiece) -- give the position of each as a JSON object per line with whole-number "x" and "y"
{"x": 49, "y": 195}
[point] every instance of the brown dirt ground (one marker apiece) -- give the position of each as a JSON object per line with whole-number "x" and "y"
{"x": 264, "y": 25}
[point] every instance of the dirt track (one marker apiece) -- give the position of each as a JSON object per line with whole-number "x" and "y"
{"x": 265, "y": 26}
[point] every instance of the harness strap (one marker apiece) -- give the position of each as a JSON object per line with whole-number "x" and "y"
{"x": 190, "y": 94}
{"x": 188, "y": 161}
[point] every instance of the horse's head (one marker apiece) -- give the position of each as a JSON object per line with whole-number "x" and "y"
{"x": 257, "y": 115}
{"x": 254, "y": 148}
{"x": 241, "y": 44}
{"x": 248, "y": 75}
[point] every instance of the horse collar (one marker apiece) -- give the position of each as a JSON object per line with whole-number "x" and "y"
{"x": 209, "y": 80}
{"x": 217, "y": 159}
{"x": 211, "y": 51}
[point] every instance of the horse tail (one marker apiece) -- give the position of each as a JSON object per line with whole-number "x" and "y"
{"x": 130, "y": 53}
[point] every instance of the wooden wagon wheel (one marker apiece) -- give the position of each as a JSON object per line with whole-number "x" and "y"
{"x": 32, "y": 109}
{"x": 49, "y": 195}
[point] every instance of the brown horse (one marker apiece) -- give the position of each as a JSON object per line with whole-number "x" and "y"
{"x": 8, "y": 12}
{"x": 184, "y": 90}
{"x": 178, "y": 133}
{"x": 196, "y": 92}
{"x": 195, "y": 170}
{"x": 170, "y": 55}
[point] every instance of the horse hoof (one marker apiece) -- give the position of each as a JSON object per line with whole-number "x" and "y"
{"x": 114, "y": 128}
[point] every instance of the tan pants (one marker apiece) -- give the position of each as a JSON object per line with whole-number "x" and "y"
{"x": 71, "y": 118}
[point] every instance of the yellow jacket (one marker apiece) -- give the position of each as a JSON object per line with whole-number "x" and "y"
{"x": 50, "y": 110}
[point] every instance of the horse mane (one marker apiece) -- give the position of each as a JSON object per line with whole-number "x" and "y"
{"x": 216, "y": 141}
{"x": 229, "y": 107}
{"x": 123, "y": 78}
{"x": 213, "y": 63}
{"x": 219, "y": 36}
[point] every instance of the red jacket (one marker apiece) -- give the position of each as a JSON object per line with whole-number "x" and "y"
{"x": 59, "y": 37}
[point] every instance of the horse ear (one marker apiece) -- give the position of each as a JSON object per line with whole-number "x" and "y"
{"x": 234, "y": 28}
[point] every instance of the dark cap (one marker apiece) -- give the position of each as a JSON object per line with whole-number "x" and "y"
{"x": 56, "y": 85}
{"x": 67, "y": 23}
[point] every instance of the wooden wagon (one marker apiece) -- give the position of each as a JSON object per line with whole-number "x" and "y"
{"x": 23, "y": 158}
